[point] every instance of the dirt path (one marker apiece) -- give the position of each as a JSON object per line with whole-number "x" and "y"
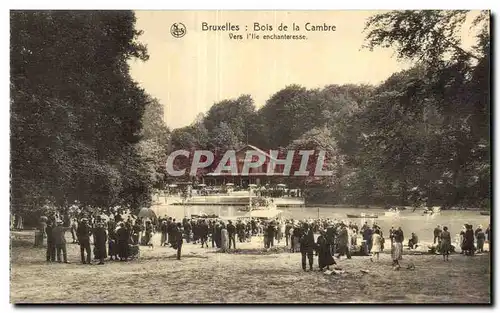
{"x": 204, "y": 276}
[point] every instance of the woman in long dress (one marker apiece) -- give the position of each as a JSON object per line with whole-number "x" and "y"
{"x": 376, "y": 244}
{"x": 462, "y": 239}
{"x": 469, "y": 241}
{"x": 324, "y": 252}
{"x": 100, "y": 240}
{"x": 397, "y": 247}
{"x": 343, "y": 242}
{"x": 224, "y": 240}
{"x": 445, "y": 243}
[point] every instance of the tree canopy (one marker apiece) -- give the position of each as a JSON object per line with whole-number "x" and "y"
{"x": 83, "y": 130}
{"x": 76, "y": 114}
{"x": 421, "y": 136}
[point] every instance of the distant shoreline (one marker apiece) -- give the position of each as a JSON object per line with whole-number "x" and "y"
{"x": 364, "y": 207}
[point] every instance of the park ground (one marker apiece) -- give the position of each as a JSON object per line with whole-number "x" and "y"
{"x": 248, "y": 276}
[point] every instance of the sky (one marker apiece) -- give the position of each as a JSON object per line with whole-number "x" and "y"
{"x": 189, "y": 74}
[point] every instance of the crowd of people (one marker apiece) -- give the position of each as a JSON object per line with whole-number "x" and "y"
{"x": 119, "y": 238}
{"x": 466, "y": 239}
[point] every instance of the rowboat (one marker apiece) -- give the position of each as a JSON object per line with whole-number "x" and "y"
{"x": 433, "y": 210}
{"x": 392, "y": 212}
{"x": 362, "y": 215}
{"x": 485, "y": 213}
{"x": 203, "y": 215}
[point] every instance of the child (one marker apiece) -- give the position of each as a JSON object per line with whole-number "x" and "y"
{"x": 376, "y": 244}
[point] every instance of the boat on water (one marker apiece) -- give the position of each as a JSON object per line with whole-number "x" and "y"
{"x": 362, "y": 215}
{"x": 249, "y": 208}
{"x": 259, "y": 203}
{"x": 392, "y": 212}
{"x": 433, "y": 210}
{"x": 204, "y": 215}
{"x": 485, "y": 213}
{"x": 262, "y": 214}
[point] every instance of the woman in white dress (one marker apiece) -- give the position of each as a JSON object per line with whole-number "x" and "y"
{"x": 376, "y": 244}
{"x": 224, "y": 240}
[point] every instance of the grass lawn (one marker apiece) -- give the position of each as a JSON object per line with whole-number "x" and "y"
{"x": 205, "y": 276}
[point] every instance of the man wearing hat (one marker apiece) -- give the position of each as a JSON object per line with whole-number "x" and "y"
{"x": 163, "y": 229}
{"x": 231, "y": 231}
{"x": 59, "y": 240}
{"x": 330, "y": 238}
{"x": 437, "y": 234}
{"x": 270, "y": 232}
{"x": 204, "y": 231}
{"x": 83, "y": 233}
{"x": 51, "y": 248}
{"x": 240, "y": 230}
{"x": 177, "y": 232}
{"x": 307, "y": 246}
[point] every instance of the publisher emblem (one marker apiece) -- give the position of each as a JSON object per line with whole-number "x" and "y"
{"x": 178, "y": 30}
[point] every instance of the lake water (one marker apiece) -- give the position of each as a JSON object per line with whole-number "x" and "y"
{"x": 422, "y": 225}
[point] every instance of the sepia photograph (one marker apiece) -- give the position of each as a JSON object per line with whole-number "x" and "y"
{"x": 225, "y": 156}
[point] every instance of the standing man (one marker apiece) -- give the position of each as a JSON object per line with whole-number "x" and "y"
{"x": 204, "y": 230}
{"x": 170, "y": 228}
{"x": 178, "y": 239}
{"x": 100, "y": 240}
{"x": 307, "y": 246}
{"x": 367, "y": 238}
{"x": 83, "y": 233}
{"x": 437, "y": 234}
{"x": 240, "y": 230}
{"x": 163, "y": 229}
{"x": 330, "y": 238}
{"x": 231, "y": 231}
{"x": 271, "y": 232}
{"x": 122, "y": 239}
{"x": 253, "y": 223}
{"x": 391, "y": 234}
{"x": 60, "y": 241}
{"x": 51, "y": 248}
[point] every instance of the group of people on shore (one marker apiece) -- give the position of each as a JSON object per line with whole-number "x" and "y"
{"x": 120, "y": 238}
{"x": 466, "y": 239}
{"x": 115, "y": 236}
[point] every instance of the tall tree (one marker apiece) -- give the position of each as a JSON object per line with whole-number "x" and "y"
{"x": 76, "y": 112}
{"x": 445, "y": 106}
{"x": 236, "y": 113}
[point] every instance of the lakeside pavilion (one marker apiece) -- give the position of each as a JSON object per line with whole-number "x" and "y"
{"x": 257, "y": 176}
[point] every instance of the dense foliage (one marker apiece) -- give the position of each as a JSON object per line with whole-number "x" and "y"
{"x": 83, "y": 130}
{"x": 76, "y": 114}
{"x": 421, "y": 136}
